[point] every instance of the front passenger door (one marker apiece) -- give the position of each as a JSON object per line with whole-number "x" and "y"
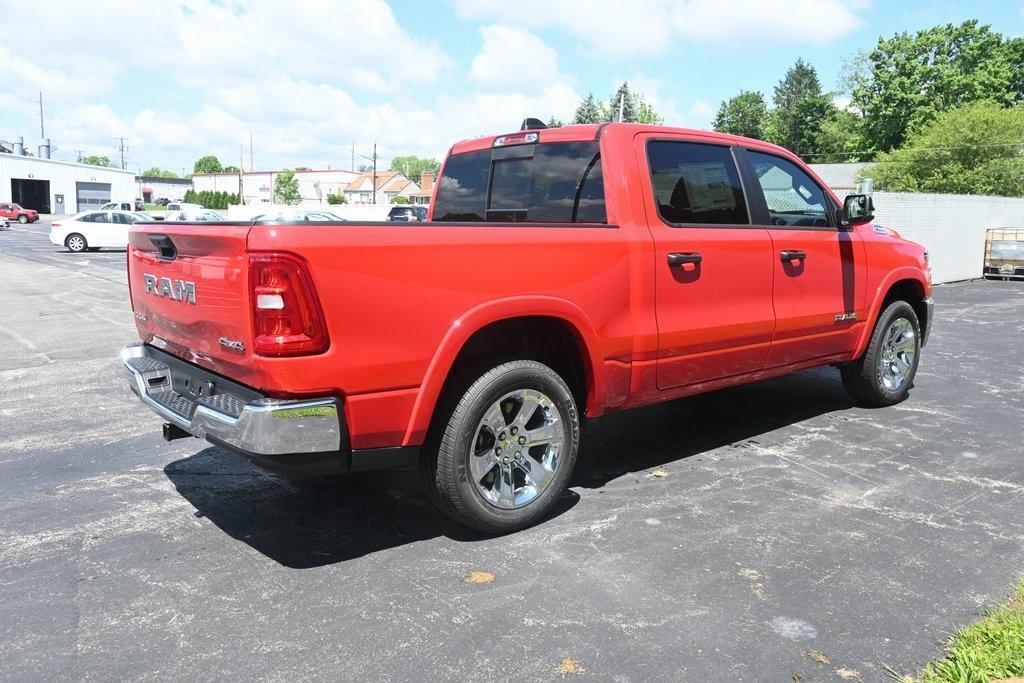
{"x": 819, "y": 284}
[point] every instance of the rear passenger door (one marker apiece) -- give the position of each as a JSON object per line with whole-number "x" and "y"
{"x": 819, "y": 284}
{"x": 713, "y": 268}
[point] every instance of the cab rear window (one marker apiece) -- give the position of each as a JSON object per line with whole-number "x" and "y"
{"x": 545, "y": 183}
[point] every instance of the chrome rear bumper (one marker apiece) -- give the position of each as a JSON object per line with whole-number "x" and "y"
{"x": 226, "y": 413}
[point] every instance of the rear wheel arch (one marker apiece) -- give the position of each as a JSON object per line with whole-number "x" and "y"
{"x": 565, "y": 342}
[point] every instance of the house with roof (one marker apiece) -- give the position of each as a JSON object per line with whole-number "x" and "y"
{"x": 422, "y": 196}
{"x": 390, "y": 184}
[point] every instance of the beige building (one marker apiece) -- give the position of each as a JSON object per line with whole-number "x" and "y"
{"x": 390, "y": 184}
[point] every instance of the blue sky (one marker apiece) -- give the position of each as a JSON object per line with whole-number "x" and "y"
{"x": 191, "y": 77}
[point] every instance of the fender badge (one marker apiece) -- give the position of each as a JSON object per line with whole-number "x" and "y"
{"x": 846, "y": 316}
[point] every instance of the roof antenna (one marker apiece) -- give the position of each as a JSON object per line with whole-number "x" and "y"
{"x": 532, "y": 124}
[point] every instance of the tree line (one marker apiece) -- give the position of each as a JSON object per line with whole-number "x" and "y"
{"x": 211, "y": 200}
{"x": 937, "y": 111}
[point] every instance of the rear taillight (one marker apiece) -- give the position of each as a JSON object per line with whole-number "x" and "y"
{"x": 54, "y": 225}
{"x": 286, "y": 315}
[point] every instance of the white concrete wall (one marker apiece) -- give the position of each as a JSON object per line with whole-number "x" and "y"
{"x": 952, "y": 227}
{"x": 62, "y": 176}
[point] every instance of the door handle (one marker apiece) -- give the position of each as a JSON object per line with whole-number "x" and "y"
{"x": 787, "y": 255}
{"x": 679, "y": 258}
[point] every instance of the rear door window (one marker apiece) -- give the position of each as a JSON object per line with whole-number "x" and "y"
{"x": 543, "y": 183}
{"x": 696, "y": 184}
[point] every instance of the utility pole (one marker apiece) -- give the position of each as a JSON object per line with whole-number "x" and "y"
{"x": 353, "y": 166}
{"x": 42, "y": 129}
{"x": 374, "y": 172}
{"x": 241, "y": 166}
{"x": 622, "y": 103}
{"x": 251, "y": 167}
{"x": 122, "y": 148}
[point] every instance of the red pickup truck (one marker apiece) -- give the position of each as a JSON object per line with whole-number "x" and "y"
{"x": 563, "y": 273}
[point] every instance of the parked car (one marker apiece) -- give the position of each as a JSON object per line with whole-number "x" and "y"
{"x": 182, "y": 206}
{"x": 1004, "y": 254}
{"x": 299, "y": 216}
{"x": 539, "y": 295}
{"x": 137, "y": 205}
{"x": 162, "y": 201}
{"x": 5, "y": 224}
{"x": 94, "y": 230}
{"x": 407, "y": 213}
{"x": 15, "y": 212}
{"x": 194, "y": 216}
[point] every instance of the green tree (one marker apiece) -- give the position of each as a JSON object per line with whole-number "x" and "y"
{"x": 634, "y": 107}
{"x": 799, "y": 83}
{"x": 800, "y": 109}
{"x": 156, "y": 172}
{"x": 337, "y": 198}
{"x": 302, "y": 168}
{"x": 554, "y": 123}
{"x": 840, "y": 139}
{"x": 94, "y": 160}
{"x": 412, "y": 166}
{"x": 589, "y": 111}
{"x": 745, "y": 114}
{"x": 286, "y": 188}
{"x": 208, "y": 164}
{"x": 910, "y": 79}
{"x": 974, "y": 149}
{"x": 399, "y": 199}
{"x": 231, "y": 169}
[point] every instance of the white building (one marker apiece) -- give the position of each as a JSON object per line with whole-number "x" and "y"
{"x": 258, "y": 186}
{"x": 152, "y": 188}
{"x": 62, "y": 187}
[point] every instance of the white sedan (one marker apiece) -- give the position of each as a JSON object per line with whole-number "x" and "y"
{"x": 94, "y": 230}
{"x": 298, "y": 216}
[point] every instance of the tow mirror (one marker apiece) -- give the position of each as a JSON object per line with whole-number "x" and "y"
{"x": 858, "y": 209}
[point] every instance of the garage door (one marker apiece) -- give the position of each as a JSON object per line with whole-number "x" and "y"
{"x": 92, "y": 195}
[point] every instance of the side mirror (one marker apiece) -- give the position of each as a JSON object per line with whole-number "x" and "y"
{"x": 858, "y": 209}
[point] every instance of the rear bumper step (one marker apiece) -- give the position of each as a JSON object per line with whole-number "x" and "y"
{"x": 206, "y": 405}
{"x": 294, "y": 437}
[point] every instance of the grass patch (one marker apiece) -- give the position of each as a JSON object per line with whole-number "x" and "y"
{"x": 988, "y": 650}
{"x": 154, "y": 207}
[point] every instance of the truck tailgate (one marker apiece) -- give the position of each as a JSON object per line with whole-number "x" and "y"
{"x": 188, "y": 289}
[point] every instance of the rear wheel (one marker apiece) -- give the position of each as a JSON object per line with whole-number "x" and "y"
{"x": 76, "y": 243}
{"x": 884, "y": 374}
{"x": 23, "y": 219}
{"x": 507, "y": 448}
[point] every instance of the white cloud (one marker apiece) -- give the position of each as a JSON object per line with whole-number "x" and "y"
{"x": 615, "y": 29}
{"x": 514, "y": 57}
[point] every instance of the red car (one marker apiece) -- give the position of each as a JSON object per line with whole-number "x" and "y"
{"x": 14, "y": 212}
{"x": 564, "y": 273}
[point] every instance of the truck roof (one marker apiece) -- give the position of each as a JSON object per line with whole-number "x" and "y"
{"x": 592, "y": 131}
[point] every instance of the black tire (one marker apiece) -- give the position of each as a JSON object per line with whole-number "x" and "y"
{"x": 457, "y": 439}
{"x": 23, "y": 219}
{"x": 867, "y": 379}
{"x": 74, "y": 245}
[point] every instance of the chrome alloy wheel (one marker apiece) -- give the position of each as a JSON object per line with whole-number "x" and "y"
{"x": 76, "y": 243}
{"x": 516, "y": 448}
{"x": 899, "y": 346}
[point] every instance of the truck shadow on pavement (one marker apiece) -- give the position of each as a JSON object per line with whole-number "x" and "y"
{"x": 313, "y": 522}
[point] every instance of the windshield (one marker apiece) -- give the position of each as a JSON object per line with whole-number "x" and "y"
{"x": 143, "y": 217}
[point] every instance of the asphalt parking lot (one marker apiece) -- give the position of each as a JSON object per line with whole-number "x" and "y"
{"x": 719, "y": 537}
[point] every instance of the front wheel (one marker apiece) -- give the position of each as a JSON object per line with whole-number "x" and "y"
{"x": 23, "y": 219}
{"x": 507, "y": 450}
{"x": 884, "y": 374}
